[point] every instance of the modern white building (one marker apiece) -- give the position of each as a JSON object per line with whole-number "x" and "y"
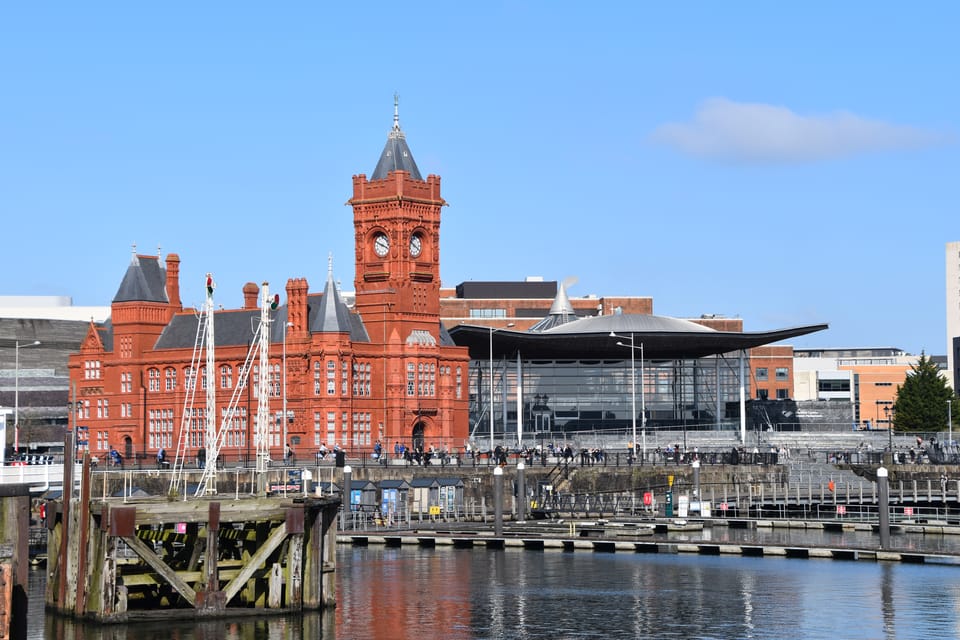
{"x": 49, "y": 308}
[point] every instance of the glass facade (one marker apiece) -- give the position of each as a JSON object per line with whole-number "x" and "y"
{"x": 567, "y": 398}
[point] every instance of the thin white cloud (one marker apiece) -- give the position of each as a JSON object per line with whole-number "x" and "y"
{"x": 759, "y": 133}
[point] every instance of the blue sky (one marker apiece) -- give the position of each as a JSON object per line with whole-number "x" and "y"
{"x": 787, "y": 164}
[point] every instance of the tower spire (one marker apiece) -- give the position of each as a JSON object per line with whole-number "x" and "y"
{"x": 396, "y": 111}
{"x": 396, "y": 154}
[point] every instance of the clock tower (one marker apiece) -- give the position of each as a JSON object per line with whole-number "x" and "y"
{"x": 418, "y": 374}
{"x": 396, "y": 220}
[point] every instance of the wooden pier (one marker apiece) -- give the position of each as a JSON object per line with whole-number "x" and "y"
{"x": 606, "y": 537}
{"x": 14, "y": 561}
{"x": 115, "y": 559}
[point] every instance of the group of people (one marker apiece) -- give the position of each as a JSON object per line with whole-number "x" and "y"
{"x": 324, "y": 451}
{"x": 421, "y": 456}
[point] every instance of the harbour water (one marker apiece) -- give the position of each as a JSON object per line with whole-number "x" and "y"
{"x": 460, "y": 594}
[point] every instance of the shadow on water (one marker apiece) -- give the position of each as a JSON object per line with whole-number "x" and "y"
{"x": 47, "y": 626}
{"x": 272, "y": 628}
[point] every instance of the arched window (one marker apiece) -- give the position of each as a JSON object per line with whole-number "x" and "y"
{"x": 170, "y": 376}
{"x": 154, "y": 376}
{"x": 226, "y": 376}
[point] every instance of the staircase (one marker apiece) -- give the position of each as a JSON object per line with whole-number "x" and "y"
{"x": 805, "y": 472}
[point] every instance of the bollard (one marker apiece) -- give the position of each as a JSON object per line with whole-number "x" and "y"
{"x": 696, "y": 479}
{"x": 521, "y": 493}
{"x": 345, "y": 498}
{"x": 884, "y": 508}
{"x": 498, "y": 501}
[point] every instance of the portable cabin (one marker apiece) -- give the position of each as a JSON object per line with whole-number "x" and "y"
{"x": 393, "y": 496}
{"x": 425, "y": 494}
{"x": 450, "y": 495}
{"x": 363, "y": 495}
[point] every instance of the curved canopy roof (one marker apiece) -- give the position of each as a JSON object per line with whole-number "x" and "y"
{"x": 662, "y": 338}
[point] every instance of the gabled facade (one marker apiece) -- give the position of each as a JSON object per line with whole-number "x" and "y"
{"x": 385, "y": 370}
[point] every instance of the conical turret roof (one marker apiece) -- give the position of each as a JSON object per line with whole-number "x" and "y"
{"x": 144, "y": 281}
{"x": 333, "y": 316}
{"x": 396, "y": 154}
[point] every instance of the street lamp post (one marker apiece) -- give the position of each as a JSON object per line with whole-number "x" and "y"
{"x": 284, "y": 382}
{"x": 633, "y": 393}
{"x": 16, "y": 393}
{"x": 949, "y": 428}
{"x": 888, "y": 411}
{"x": 949, "y": 422}
{"x": 492, "y": 331}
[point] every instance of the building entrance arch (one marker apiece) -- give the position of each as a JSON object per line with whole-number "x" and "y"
{"x": 417, "y": 436}
{"x": 127, "y": 448}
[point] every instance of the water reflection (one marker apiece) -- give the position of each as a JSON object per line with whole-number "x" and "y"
{"x": 454, "y": 594}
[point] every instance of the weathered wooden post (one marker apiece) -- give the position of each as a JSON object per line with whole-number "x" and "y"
{"x": 345, "y": 502}
{"x": 521, "y": 493}
{"x": 14, "y": 559}
{"x": 498, "y": 501}
{"x": 884, "y": 508}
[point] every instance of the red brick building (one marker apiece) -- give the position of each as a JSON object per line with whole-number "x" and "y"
{"x": 384, "y": 370}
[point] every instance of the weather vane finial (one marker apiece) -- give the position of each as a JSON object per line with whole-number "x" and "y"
{"x": 396, "y": 110}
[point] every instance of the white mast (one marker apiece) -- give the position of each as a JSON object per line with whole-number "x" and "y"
{"x": 262, "y": 439}
{"x": 190, "y": 426}
{"x": 210, "y": 417}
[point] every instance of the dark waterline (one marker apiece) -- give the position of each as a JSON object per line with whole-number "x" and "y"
{"x": 454, "y": 594}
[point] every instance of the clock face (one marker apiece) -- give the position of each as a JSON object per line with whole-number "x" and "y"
{"x": 416, "y": 245}
{"x": 381, "y": 244}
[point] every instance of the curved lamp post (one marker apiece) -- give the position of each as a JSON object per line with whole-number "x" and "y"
{"x": 492, "y": 331}
{"x": 16, "y": 394}
{"x": 633, "y": 392}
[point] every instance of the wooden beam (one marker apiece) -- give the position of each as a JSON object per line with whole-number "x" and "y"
{"x": 6, "y": 599}
{"x": 275, "y": 540}
{"x": 155, "y": 512}
{"x": 161, "y": 567}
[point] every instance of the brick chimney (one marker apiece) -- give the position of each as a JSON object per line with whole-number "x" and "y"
{"x": 250, "y": 292}
{"x": 297, "y": 304}
{"x": 173, "y": 281}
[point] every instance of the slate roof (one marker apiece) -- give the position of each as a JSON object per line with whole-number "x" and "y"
{"x": 105, "y": 331}
{"x": 333, "y": 315}
{"x": 231, "y": 328}
{"x": 144, "y": 281}
{"x": 394, "y": 484}
{"x": 396, "y": 154}
{"x": 445, "y": 339}
{"x": 363, "y": 485}
{"x": 237, "y": 327}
